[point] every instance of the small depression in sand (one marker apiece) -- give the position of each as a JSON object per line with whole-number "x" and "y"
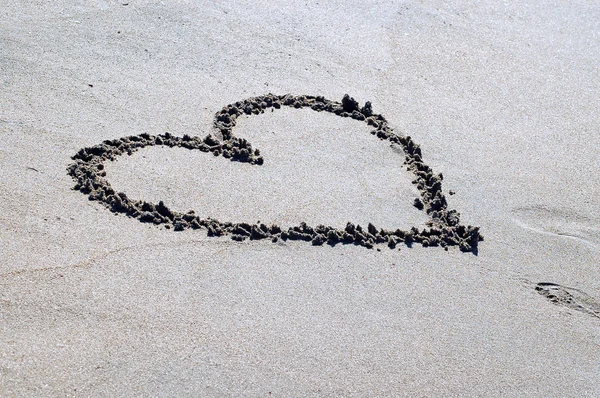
{"x": 318, "y": 168}
{"x": 559, "y": 222}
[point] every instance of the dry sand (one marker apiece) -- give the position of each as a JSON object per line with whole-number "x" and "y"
{"x": 502, "y": 99}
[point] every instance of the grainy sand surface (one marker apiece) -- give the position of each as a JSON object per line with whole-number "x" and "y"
{"x": 502, "y": 98}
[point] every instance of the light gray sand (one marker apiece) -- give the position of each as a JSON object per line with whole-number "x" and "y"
{"x": 503, "y": 100}
{"x": 305, "y": 154}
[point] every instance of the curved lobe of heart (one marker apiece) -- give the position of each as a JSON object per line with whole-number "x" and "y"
{"x": 328, "y": 155}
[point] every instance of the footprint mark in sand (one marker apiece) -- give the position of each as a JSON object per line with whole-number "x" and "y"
{"x": 569, "y": 297}
{"x": 443, "y": 228}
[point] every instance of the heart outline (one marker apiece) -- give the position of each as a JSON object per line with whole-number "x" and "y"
{"x": 444, "y": 226}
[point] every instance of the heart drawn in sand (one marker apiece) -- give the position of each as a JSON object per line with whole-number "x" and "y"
{"x": 443, "y": 228}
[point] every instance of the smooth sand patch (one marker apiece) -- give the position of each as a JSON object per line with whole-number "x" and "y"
{"x": 319, "y": 169}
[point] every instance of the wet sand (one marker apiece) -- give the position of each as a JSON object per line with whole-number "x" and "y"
{"x": 499, "y": 99}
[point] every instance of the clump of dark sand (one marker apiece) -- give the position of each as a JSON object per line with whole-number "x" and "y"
{"x": 444, "y": 228}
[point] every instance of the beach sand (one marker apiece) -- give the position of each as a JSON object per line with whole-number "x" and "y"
{"x": 502, "y": 100}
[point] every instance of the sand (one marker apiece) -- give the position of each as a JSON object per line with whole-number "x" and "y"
{"x": 501, "y": 100}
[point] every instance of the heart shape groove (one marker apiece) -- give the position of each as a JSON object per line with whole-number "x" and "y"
{"x": 443, "y": 229}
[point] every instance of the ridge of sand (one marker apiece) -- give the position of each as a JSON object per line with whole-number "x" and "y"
{"x": 443, "y": 227}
